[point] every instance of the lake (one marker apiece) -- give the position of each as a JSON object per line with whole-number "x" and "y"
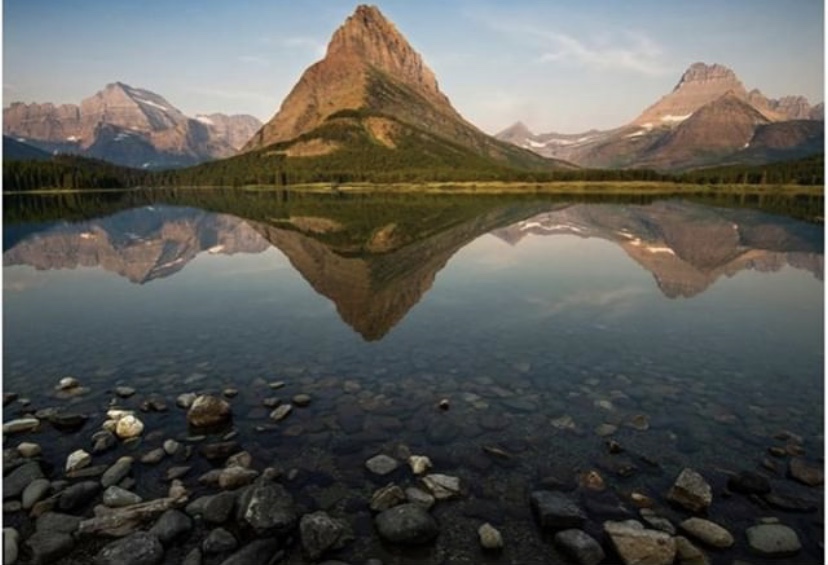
{"x": 522, "y": 343}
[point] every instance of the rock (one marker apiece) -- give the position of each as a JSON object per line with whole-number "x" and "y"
{"x": 748, "y": 482}
{"x": 177, "y": 472}
{"x": 209, "y": 412}
{"x": 48, "y": 546}
{"x": 171, "y": 525}
{"x": 490, "y": 537}
{"x": 592, "y": 480}
{"x": 116, "y": 497}
{"x": 16, "y": 482}
{"x": 689, "y": 554}
{"x": 67, "y": 383}
{"x": 564, "y": 422}
{"x": 407, "y": 524}
{"x": 153, "y": 457}
{"x": 78, "y": 495}
{"x": 177, "y": 490}
{"x": 68, "y": 421}
{"x": 78, "y": 460}
{"x": 691, "y": 491}
{"x": 604, "y": 430}
{"x": 230, "y": 392}
{"x": 219, "y": 541}
{"x": 773, "y": 540}
{"x": 219, "y": 451}
{"x": 636, "y": 545}
{"x": 9, "y": 397}
{"x": 12, "y": 506}
{"x": 185, "y": 400}
{"x": 302, "y": 400}
{"x": 255, "y": 553}
{"x": 381, "y": 464}
{"x": 124, "y": 391}
{"x": 87, "y": 472}
{"x": 657, "y": 522}
{"x": 236, "y": 477}
{"x": 444, "y": 404}
{"x": 281, "y": 412}
{"x": 140, "y": 548}
{"x": 122, "y": 521}
{"x": 28, "y": 450}
{"x": 387, "y": 497}
{"x": 800, "y": 470}
{"x": 419, "y": 496}
{"x": 580, "y": 547}
{"x": 36, "y": 490}
{"x": 240, "y": 459}
{"x": 56, "y": 522}
{"x": 640, "y": 422}
{"x": 10, "y": 539}
{"x": 442, "y": 486}
{"x": 218, "y": 508}
{"x": 709, "y": 532}
{"x": 103, "y": 441}
{"x": 129, "y": 426}
{"x": 266, "y": 507}
{"x": 321, "y": 533}
{"x": 20, "y": 425}
{"x": 116, "y": 473}
{"x": 419, "y": 464}
{"x": 194, "y": 557}
{"x": 556, "y": 511}
{"x": 790, "y": 503}
{"x": 171, "y": 447}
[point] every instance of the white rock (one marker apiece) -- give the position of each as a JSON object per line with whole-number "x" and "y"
{"x": 490, "y": 537}
{"x": 129, "y": 426}
{"x": 118, "y": 413}
{"x": 281, "y": 412}
{"x": 78, "y": 460}
{"x": 20, "y": 425}
{"x": 10, "y": 539}
{"x": 110, "y": 425}
{"x": 67, "y": 383}
{"x": 28, "y": 449}
{"x": 419, "y": 464}
{"x": 442, "y": 486}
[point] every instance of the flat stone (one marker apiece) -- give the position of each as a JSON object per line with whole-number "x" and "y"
{"x": 773, "y": 540}
{"x": 124, "y": 391}
{"x": 657, "y": 522}
{"x": 636, "y": 545}
{"x": 281, "y": 412}
{"x": 116, "y": 497}
{"x": 790, "y": 503}
{"x": 219, "y": 540}
{"x": 266, "y": 507}
{"x": 407, "y": 524}
{"x": 302, "y": 400}
{"x": 802, "y": 471}
{"x": 708, "y": 532}
{"x": 140, "y": 548}
{"x": 580, "y": 547}
{"x": 219, "y": 451}
{"x": 185, "y": 400}
{"x": 171, "y": 525}
{"x": 103, "y": 441}
{"x": 177, "y": 472}
{"x": 15, "y": 482}
{"x": 10, "y": 550}
{"x": 236, "y": 477}
{"x": 78, "y": 460}
{"x": 48, "y": 546}
{"x": 382, "y": 464}
{"x": 116, "y": 473}
{"x": 153, "y": 457}
{"x": 28, "y": 450}
{"x": 87, "y": 472}
{"x": 387, "y": 497}
{"x": 604, "y": 430}
{"x": 57, "y": 522}
{"x": 419, "y": 496}
{"x": 67, "y": 383}
{"x": 442, "y": 486}
{"x": 490, "y": 537}
{"x": 36, "y": 490}
{"x": 691, "y": 491}
{"x": 320, "y": 533}
{"x": 78, "y": 495}
{"x": 68, "y": 421}
{"x": 556, "y": 511}
{"x": 20, "y": 425}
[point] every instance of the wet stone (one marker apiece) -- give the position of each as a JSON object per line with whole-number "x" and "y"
{"x": 281, "y": 412}
{"x": 219, "y": 540}
{"x": 556, "y": 511}
{"x": 489, "y": 536}
{"x": 790, "y": 503}
{"x": 236, "y": 477}
{"x": 139, "y": 548}
{"x": 68, "y": 421}
{"x": 407, "y": 524}
{"x": 387, "y": 497}
{"x": 691, "y": 491}
{"x": 806, "y": 473}
{"x": 218, "y": 508}
{"x": 103, "y": 441}
{"x": 116, "y": 497}
{"x": 47, "y": 546}
{"x": 10, "y": 549}
{"x": 419, "y": 496}
{"x": 266, "y": 507}
{"x": 35, "y": 491}
{"x": 185, "y": 400}
{"x": 78, "y": 495}
{"x": 320, "y": 533}
{"x": 153, "y": 457}
{"x": 773, "y": 540}
{"x": 689, "y": 554}
{"x": 256, "y": 552}
{"x": 657, "y": 522}
{"x": 748, "y": 482}
{"x": 171, "y": 525}
{"x": 708, "y": 532}
{"x": 20, "y": 425}
{"x": 302, "y": 400}
{"x": 382, "y": 464}
{"x": 177, "y": 472}
{"x": 219, "y": 451}
{"x": 124, "y": 391}
{"x": 208, "y": 411}
{"x": 635, "y": 544}
{"x": 16, "y": 482}
{"x": 129, "y": 427}
{"x": 579, "y": 546}
{"x": 28, "y": 450}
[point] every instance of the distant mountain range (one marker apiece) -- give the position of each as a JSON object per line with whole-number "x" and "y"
{"x": 375, "y": 274}
{"x": 128, "y": 126}
{"x": 708, "y": 119}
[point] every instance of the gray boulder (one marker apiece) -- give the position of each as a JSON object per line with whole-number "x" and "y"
{"x": 580, "y": 547}
{"x": 171, "y": 525}
{"x": 556, "y": 511}
{"x": 407, "y": 524}
{"x": 140, "y": 548}
{"x": 266, "y": 507}
{"x": 321, "y": 533}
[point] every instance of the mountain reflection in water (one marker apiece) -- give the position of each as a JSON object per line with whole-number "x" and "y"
{"x": 377, "y": 273}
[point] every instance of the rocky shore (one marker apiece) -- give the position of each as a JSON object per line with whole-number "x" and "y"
{"x": 149, "y": 479}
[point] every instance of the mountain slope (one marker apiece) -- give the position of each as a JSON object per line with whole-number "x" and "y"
{"x": 372, "y": 76}
{"x": 15, "y": 150}
{"x": 127, "y": 126}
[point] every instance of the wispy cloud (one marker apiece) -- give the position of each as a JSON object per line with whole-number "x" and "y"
{"x": 254, "y": 60}
{"x": 611, "y": 302}
{"x": 303, "y": 42}
{"x": 612, "y": 50}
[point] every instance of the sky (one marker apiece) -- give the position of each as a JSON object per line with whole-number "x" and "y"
{"x": 556, "y": 66}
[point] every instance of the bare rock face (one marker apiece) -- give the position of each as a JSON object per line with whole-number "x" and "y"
{"x": 235, "y": 130}
{"x": 129, "y": 126}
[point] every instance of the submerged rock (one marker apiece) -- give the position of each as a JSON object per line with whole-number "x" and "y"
{"x": 490, "y": 537}
{"x": 556, "y": 511}
{"x": 140, "y": 548}
{"x": 267, "y": 507}
{"x": 321, "y": 533}
{"x": 407, "y": 524}
{"x": 636, "y": 545}
{"x": 208, "y": 411}
{"x": 691, "y": 491}
{"x": 580, "y": 547}
{"x": 773, "y": 540}
{"x": 382, "y": 464}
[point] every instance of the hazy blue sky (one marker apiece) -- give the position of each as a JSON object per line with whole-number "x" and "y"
{"x": 558, "y": 66}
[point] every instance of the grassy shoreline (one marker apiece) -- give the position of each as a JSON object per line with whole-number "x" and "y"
{"x": 494, "y": 187}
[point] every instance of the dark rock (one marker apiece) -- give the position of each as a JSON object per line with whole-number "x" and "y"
{"x": 194, "y": 557}
{"x": 219, "y": 541}
{"x": 387, "y": 497}
{"x": 103, "y": 441}
{"x": 556, "y": 511}
{"x": 747, "y": 482}
{"x": 790, "y": 503}
{"x": 48, "y": 545}
{"x": 171, "y": 525}
{"x": 78, "y": 495}
{"x": 266, "y": 507}
{"x": 68, "y": 421}
{"x": 87, "y": 472}
{"x": 258, "y": 552}
{"x": 55, "y": 522}
{"x": 580, "y": 547}
{"x": 219, "y": 451}
{"x": 16, "y": 482}
{"x": 9, "y": 397}
{"x": 407, "y": 524}
{"x": 114, "y": 474}
{"x": 36, "y": 490}
{"x": 219, "y": 508}
{"x": 140, "y": 548}
{"x": 802, "y": 471}
{"x": 321, "y": 533}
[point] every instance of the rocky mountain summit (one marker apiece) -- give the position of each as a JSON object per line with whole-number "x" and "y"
{"x": 373, "y": 82}
{"x": 708, "y": 118}
{"x": 128, "y": 126}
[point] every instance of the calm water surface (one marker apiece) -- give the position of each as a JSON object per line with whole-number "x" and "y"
{"x": 695, "y": 332}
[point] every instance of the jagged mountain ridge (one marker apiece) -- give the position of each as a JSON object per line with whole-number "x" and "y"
{"x": 128, "y": 126}
{"x": 641, "y": 143}
{"x": 372, "y": 81}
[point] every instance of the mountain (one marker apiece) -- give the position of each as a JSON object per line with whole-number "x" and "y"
{"x": 14, "y": 149}
{"x": 709, "y": 118}
{"x": 128, "y": 126}
{"x": 373, "y": 89}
